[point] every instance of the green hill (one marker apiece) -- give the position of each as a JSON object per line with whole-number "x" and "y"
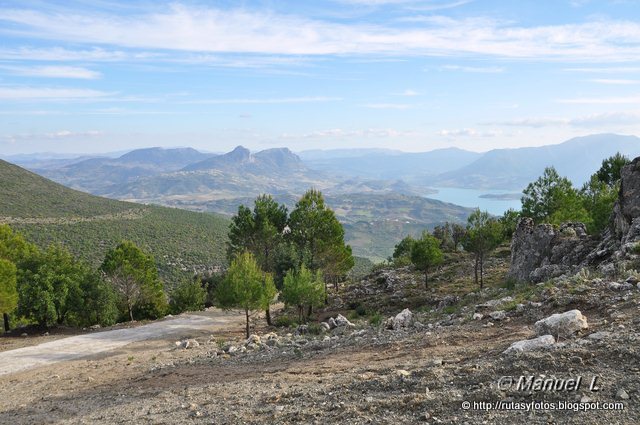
{"x": 181, "y": 241}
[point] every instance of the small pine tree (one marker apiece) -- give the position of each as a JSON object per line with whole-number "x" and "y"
{"x": 426, "y": 254}
{"x": 245, "y": 286}
{"x": 302, "y": 289}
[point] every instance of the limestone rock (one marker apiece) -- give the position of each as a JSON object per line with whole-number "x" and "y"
{"x": 531, "y": 344}
{"x": 498, "y": 315}
{"x": 403, "y": 320}
{"x": 340, "y": 320}
{"x": 562, "y": 325}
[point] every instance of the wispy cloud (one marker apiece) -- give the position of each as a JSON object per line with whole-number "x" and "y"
{"x": 601, "y": 100}
{"x": 469, "y": 132}
{"x": 267, "y": 101}
{"x": 338, "y": 133}
{"x": 476, "y": 69}
{"x": 206, "y": 29}
{"x": 407, "y": 93}
{"x": 606, "y": 70}
{"x": 387, "y": 106}
{"x": 612, "y": 81}
{"x": 55, "y": 135}
{"x": 622, "y": 118}
{"x": 45, "y": 93}
{"x": 54, "y": 72}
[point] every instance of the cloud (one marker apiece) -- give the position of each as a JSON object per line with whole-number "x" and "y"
{"x": 601, "y": 100}
{"x": 338, "y": 133}
{"x": 387, "y": 106}
{"x": 56, "y": 135}
{"x": 469, "y": 132}
{"x": 606, "y": 70}
{"x": 265, "y": 101}
{"x": 46, "y": 93}
{"x": 477, "y": 69}
{"x": 407, "y": 93}
{"x": 592, "y": 120}
{"x": 613, "y": 81}
{"x": 54, "y": 72}
{"x": 189, "y": 28}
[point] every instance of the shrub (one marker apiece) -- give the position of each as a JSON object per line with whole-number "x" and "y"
{"x": 375, "y": 319}
{"x": 285, "y": 321}
{"x": 187, "y": 296}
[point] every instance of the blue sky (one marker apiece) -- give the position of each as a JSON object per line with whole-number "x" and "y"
{"x": 97, "y": 76}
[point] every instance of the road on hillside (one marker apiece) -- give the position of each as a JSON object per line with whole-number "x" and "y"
{"x": 75, "y": 347}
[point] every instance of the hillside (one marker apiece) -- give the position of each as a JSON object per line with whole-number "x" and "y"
{"x": 374, "y": 222}
{"x": 47, "y": 212}
{"x": 94, "y": 174}
{"x": 515, "y": 168}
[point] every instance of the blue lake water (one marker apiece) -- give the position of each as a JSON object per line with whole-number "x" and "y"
{"x": 471, "y": 198}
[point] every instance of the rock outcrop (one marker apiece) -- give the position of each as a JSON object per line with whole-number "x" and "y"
{"x": 562, "y": 324}
{"x": 541, "y": 252}
{"x": 538, "y": 343}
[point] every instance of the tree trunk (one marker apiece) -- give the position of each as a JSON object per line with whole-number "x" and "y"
{"x": 130, "y": 312}
{"x": 426, "y": 280}
{"x": 267, "y": 313}
{"x": 309, "y": 311}
{"x": 326, "y": 293}
{"x": 7, "y": 327}
{"x": 475, "y": 269}
{"x": 246, "y": 314}
{"x": 481, "y": 271}
{"x": 300, "y": 308}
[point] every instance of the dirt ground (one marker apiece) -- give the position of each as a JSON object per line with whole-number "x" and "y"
{"x": 365, "y": 375}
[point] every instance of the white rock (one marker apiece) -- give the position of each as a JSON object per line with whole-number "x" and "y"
{"x": 403, "y": 373}
{"x": 332, "y": 323}
{"x": 564, "y": 324}
{"x": 498, "y": 315}
{"x": 404, "y": 319}
{"x": 599, "y": 335}
{"x": 622, "y": 394}
{"x": 325, "y": 326}
{"x": 477, "y": 316}
{"x": 531, "y": 344}
{"x": 253, "y": 339}
{"x": 340, "y": 320}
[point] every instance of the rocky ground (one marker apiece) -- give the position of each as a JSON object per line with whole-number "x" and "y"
{"x": 418, "y": 366}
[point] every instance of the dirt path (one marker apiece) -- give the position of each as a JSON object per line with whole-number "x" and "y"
{"x": 75, "y": 347}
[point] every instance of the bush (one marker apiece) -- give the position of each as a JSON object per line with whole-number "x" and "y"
{"x": 361, "y": 310}
{"x": 285, "y": 321}
{"x": 187, "y": 296}
{"x": 376, "y": 319}
{"x": 314, "y": 328}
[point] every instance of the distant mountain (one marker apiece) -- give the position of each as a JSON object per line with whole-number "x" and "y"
{"x": 317, "y": 154}
{"x": 46, "y": 212}
{"x": 270, "y": 161}
{"x": 576, "y": 159}
{"x": 391, "y": 165}
{"x": 94, "y": 174}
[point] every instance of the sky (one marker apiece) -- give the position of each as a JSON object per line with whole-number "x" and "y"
{"x": 82, "y": 76}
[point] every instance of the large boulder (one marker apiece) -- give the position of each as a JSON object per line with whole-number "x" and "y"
{"x": 541, "y": 252}
{"x": 402, "y": 320}
{"x": 340, "y": 320}
{"x": 531, "y": 344}
{"x": 562, "y": 324}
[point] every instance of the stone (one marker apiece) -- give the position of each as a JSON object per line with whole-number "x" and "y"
{"x": 498, "y": 315}
{"x": 253, "y": 339}
{"x": 599, "y": 335}
{"x": 403, "y": 373}
{"x": 477, "y": 316}
{"x": 340, "y": 320}
{"x": 24, "y": 334}
{"x": 531, "y": 344}
{"x": 325, "y": 326}
{"x": 332, "y": 323}
{"x": 632, "y": 280}
{"x": 562, "y": 325}
{"x": 403, "y": 320}
{"x": 302, "y": 330}
{"x": 622, "y": 394}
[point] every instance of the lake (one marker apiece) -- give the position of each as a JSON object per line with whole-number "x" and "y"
{"x": 472, "y": 198}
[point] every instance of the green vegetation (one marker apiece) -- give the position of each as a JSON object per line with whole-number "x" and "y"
{"x": 245, "y": 286}
{"x": 484, "y": 234}
{"x": 134, "y": 275}
{"x": 8, "y": 290}
{"x": 426, "y": 254}
{"x": 189, "y": 295}
{"x": 303, "y": 288}
{"x": 553, "y": 199}
{"x": 46, "y": 213}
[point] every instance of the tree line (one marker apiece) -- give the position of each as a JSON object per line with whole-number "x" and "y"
{"x": 550, "y": 199}
{"x": 51, "y": 287}
{"x": 271, "y": 250}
